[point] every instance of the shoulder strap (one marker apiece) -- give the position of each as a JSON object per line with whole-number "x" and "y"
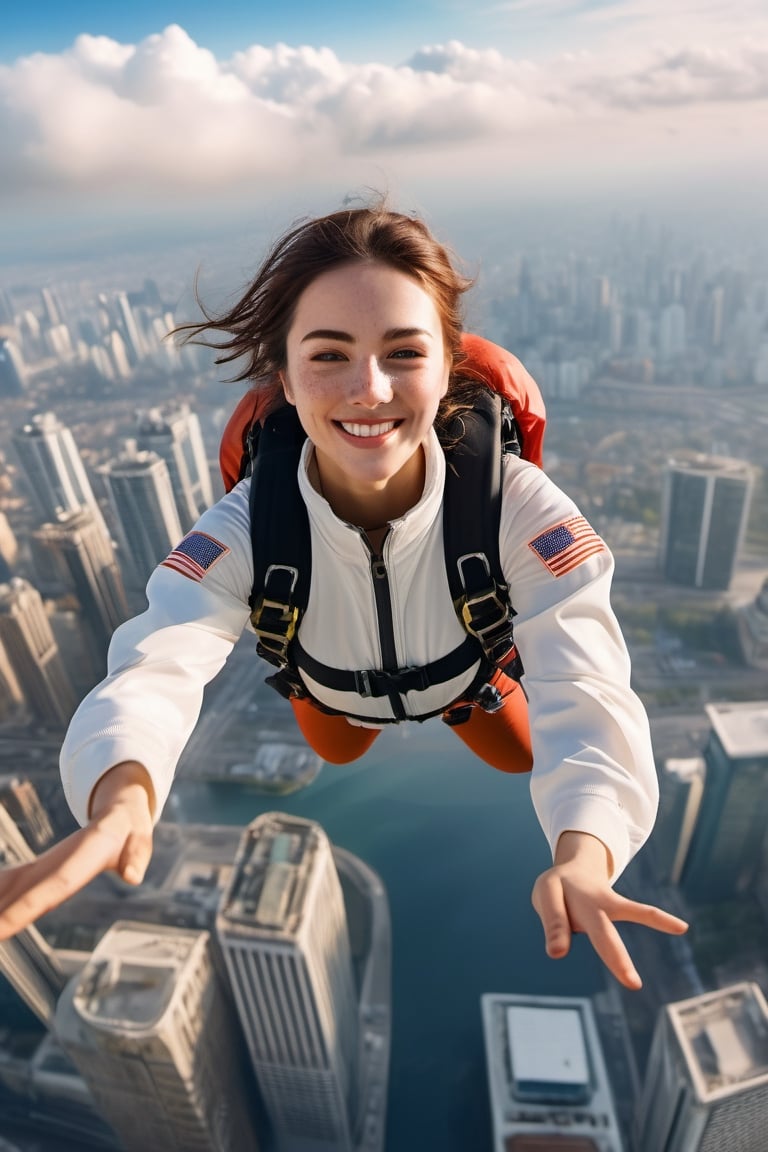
{"x": 282, "y": 550}
{"x": 476, "y": 440}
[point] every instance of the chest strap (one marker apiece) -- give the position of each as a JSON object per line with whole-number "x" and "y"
{"x": 374, "y": 682}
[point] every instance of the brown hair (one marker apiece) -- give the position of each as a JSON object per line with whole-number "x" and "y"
{"x": 256, "y": 327}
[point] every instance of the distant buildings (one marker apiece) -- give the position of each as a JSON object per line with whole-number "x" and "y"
{"x": 283, "y": 930}
{"x": 150, "y": 1028}
{"x": 725, "y": 849}
{"x": 752, "y": 622}
{"x": 33, "y": 653}
{"x": 681, "y": 788}
{"x": 54, "y": 469}
{"x": 548, "y": 1082}
{"x": 706, "y": 1084}
{"x": 705, "y": 505}
{"x": 174, "y": 434}
{"x": 147, "y": 521}
{"x": 88, "y": 556}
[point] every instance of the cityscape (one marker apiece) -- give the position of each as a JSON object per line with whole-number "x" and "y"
{"x": 305, "y": 966}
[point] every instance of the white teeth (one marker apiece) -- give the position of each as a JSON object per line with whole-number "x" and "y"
{"x": 368, "y": 429}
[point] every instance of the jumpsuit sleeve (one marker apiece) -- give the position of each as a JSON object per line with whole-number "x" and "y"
{"x": 159, "y": 662}
{"x": 593, "y": 765}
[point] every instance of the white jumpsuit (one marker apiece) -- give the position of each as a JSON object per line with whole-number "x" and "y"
{"x": 593, "y": 766}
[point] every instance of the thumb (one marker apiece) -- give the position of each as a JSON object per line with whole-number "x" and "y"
{"x": 135, "y": 857}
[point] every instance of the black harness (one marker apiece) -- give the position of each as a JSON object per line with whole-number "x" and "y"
{"x": 474, "y": 445}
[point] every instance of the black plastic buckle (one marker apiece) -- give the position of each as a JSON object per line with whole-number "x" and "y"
{"x": 374, "y": 682}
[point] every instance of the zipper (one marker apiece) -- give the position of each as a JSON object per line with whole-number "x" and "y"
{"x": 384, "y": 618}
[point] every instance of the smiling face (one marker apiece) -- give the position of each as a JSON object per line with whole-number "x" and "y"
{"x": 366, "y": 367}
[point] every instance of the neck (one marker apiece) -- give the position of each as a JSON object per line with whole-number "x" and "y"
{"x": 371, "y": 509}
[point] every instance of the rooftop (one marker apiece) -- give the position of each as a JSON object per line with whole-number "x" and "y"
{"x": 742, "y": 728}
{"x": 724, "y": 1038}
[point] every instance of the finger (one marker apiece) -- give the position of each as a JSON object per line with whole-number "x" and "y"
{"x": 53, "y": 877}
{"x": 611, "y": 949}
{"x": 135, "y": 857}
{"x": 549, "y": 901}
{"x": 633, "y": 912}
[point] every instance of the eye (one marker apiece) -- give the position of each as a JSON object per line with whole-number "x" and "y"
{"x": 406, "y": 354}
{"x": 328, "y": 357}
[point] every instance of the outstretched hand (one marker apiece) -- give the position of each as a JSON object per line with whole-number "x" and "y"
{"x": 118, "y": 838}
{"x": 575, "y": 896}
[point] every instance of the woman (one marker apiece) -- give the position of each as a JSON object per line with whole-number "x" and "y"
{"x": 354, "y": 319}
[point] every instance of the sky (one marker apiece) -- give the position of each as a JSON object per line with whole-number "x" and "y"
{"x": 209, "y": 112}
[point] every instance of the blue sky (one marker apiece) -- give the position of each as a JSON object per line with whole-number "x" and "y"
{"x": 355, "y": 30}
{"x": 156, "y": 107}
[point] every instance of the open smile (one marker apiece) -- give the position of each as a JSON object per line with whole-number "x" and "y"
{"x": 367, "y": 431}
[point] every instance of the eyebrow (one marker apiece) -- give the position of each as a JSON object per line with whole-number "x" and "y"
{"x": 347, "y": 338}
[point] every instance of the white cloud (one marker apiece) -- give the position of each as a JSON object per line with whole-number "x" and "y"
{"x": 165, "y": 116}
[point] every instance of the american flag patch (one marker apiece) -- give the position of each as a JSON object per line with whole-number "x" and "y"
{"x": 565, "y": 546}
{"x": 195, "y": 555}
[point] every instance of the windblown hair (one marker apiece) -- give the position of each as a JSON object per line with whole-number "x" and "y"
{"x": 255, "y": 328}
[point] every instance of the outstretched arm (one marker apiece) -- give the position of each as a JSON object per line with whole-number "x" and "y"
{"x": 575, "y": 895}
{"x": 118, "y": 838}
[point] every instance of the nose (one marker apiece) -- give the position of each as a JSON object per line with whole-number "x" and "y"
{"x": 371, "y": 385}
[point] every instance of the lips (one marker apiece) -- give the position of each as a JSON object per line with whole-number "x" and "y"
{"x": 366, "y": 431}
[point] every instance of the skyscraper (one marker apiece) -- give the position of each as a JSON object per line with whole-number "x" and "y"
{"x": 283, "y": 931}
{"x": 151, "y": 1030}
{"x": 724, "y": 855}
{"x": 548, "y": 1082}
{"x": 54, "y": 469}
{"x": 174, "y": 434}
{"x": 26, "y": 635}
{"x": 681, "y": 787}
{"x": 26, "y": 960}
{"x": 705, "y": 505}
{"x": 148, "y": 524}
{"x": 13, "y": 371}
{"x": 20, "y": 800}
{"x": 95, "y": 577}
{"x": 706, "y": 1083}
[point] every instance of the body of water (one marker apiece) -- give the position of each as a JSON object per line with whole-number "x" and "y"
{"x": 458, "y": 847}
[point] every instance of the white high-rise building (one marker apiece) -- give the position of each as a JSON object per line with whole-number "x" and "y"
{"x": 54, "y": 469}
{"x": 706, "y": 1083}
{"x": 89, "y": 559}
{"x": 548, "y": 1081}
{"x": 155, "y": 1039}
{"x": 26, "y": 636}
{"x": 148, "y": 524}
{"x": 174, "y": 434}
{"x": 283, "y": 931}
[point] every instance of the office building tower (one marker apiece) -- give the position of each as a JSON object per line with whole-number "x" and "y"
{"x": 706, "y": 1080}
{"x": 672, "y": 332}
{"x": 13, "y": 371}
{"x": 283, "y": 931}
{"x": 149, "y": 1026}
{"x": 174, "y": 434}
{"x": 9, "y": 550}
{"x": 547, "y": 1078}
{"x": 681, "y": 788}
{"x": 26, "y": 635}
{"x": 752, "y": 622}
{"x": 724, "y": 855}
{"x": 11, "y": 694}
{"x": 20, "y": 800}
{"x": 148, "y": 525}
{"x": 705, "y": 505}
{"x": 54, "y": 469}
{"x": 89, "y": 557}
{"x": 26, "y": 960}
{"x": 54, "y": 314}
{"x": 129, "y": 329}
{"x": 120, "y": 365}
